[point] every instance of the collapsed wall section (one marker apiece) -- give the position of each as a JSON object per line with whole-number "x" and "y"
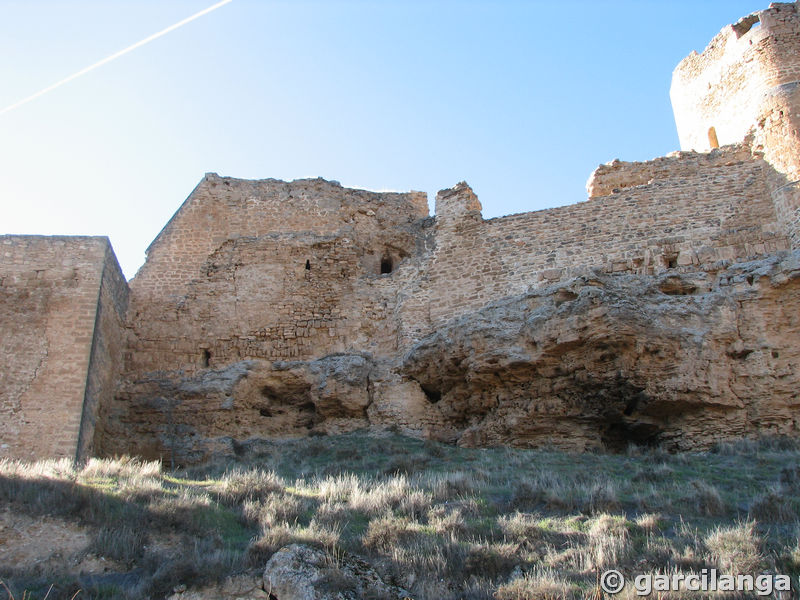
{"x": 62, "y": 304}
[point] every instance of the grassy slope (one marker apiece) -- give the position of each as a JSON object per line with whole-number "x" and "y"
{"x": 440, "y": 521}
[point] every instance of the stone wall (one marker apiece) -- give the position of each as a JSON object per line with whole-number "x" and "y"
{"x": 49, "y": 292}
{"x": 746, "y": 83}
{"x": 270, "y": 308}
{"x": 108, "y": 344}
{"x": 679, "y": 211}
{"x": 286, "y": 271}
{"x": 280, "y": 332}
{"x": 274, "y": 270}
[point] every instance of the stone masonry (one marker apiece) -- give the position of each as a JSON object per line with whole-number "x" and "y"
{"x": 662, "y": 310}
{"x": 62, "y": 308}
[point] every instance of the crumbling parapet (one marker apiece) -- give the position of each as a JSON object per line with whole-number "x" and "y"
{"x": 457, "y": 204}
{"x": 746, "y": 84}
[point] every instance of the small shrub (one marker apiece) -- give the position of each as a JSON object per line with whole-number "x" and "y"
{"x": 541, "y": 584}
{"x": 253, "y": 484}
{"x": 493, "y": 561}
{"x": 434, "y": 449}
{"x": 790, "y": 479}
{"x": 337, "y": 488}
{"x": 705, "y": 499}
{"x": 446, "y": 486}
{"x": 333, "y": 514}
{"x": 736, "y": 548}
{"x": 609, "y": 542}
{"x": 649, "y": 522}
{"x": 272, "y": 539}
{"x": 387, "y": 532}
{"x": 520, "y": 527}
{"x": 657, "y": 474}
{"x": 415, "y": 504}
{"x": 406, "y": 464}
{"x": 180, "y": 512}
{"x": 124, "y": 544}
{"x": 741, "y": 447}
{"x": 446, "y": 520}
{"x": 778, "y": 443}
{"x": 601, "y": 498}
{"x": 277, "y": 508}
{"x": 525, "y": 496}
{"x": 774, "y": 507}
{"x": 123, "y": 467}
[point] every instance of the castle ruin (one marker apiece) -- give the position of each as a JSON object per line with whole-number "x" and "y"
{"x": 662, "y": 310}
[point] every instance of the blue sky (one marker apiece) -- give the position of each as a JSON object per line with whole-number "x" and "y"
{"x": 520, "y": 99}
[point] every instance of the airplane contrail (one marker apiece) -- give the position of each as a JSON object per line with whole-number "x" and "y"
{"x": 116, "y": 55}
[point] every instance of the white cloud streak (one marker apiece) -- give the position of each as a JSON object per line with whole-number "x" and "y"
{"x": 114, "y": 56}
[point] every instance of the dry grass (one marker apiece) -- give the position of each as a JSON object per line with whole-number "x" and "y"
{"x": 442, "y": 522}
{"x": 737, "y": 548}
{"x": 542, "y": 584}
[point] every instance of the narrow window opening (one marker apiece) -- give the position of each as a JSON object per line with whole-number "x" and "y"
{"x": 308, "y": 266}
{"x": 386, "y": 265}
{"x": 671, "y": 261}
{"x": 712, "y": 138}
{"x": 206, "y": 358}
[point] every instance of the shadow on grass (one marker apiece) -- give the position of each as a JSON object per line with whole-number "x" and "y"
{"x": 216, "y": 539}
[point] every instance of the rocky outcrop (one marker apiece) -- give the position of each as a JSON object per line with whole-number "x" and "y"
{"x": 680, "y": 359}
{"x": 298, "y": 572}
{"x": 187, "y": 419}
{"x": 238, "y": 587}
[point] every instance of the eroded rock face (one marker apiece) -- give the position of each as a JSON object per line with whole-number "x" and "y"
{"x": 187, "y": 419}
{"x": 604, "y": 360}
{"x": 680, "y": 359}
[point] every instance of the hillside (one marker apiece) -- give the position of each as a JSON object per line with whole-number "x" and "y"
{"x": 395, "y": 517}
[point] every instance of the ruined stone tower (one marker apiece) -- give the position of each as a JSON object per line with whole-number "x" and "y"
{"x": 746, "y": 84}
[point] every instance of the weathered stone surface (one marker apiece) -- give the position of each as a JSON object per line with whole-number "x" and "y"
{"x": 240, "y": 587}
{"x": 659, "y": 310}
{"x": 682, "y": 359}
{"x": 187, "y": 418}
{"x": 62, "y": 308}
{"x": 604, "y": 360}
{"x": 299, "y": 572}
